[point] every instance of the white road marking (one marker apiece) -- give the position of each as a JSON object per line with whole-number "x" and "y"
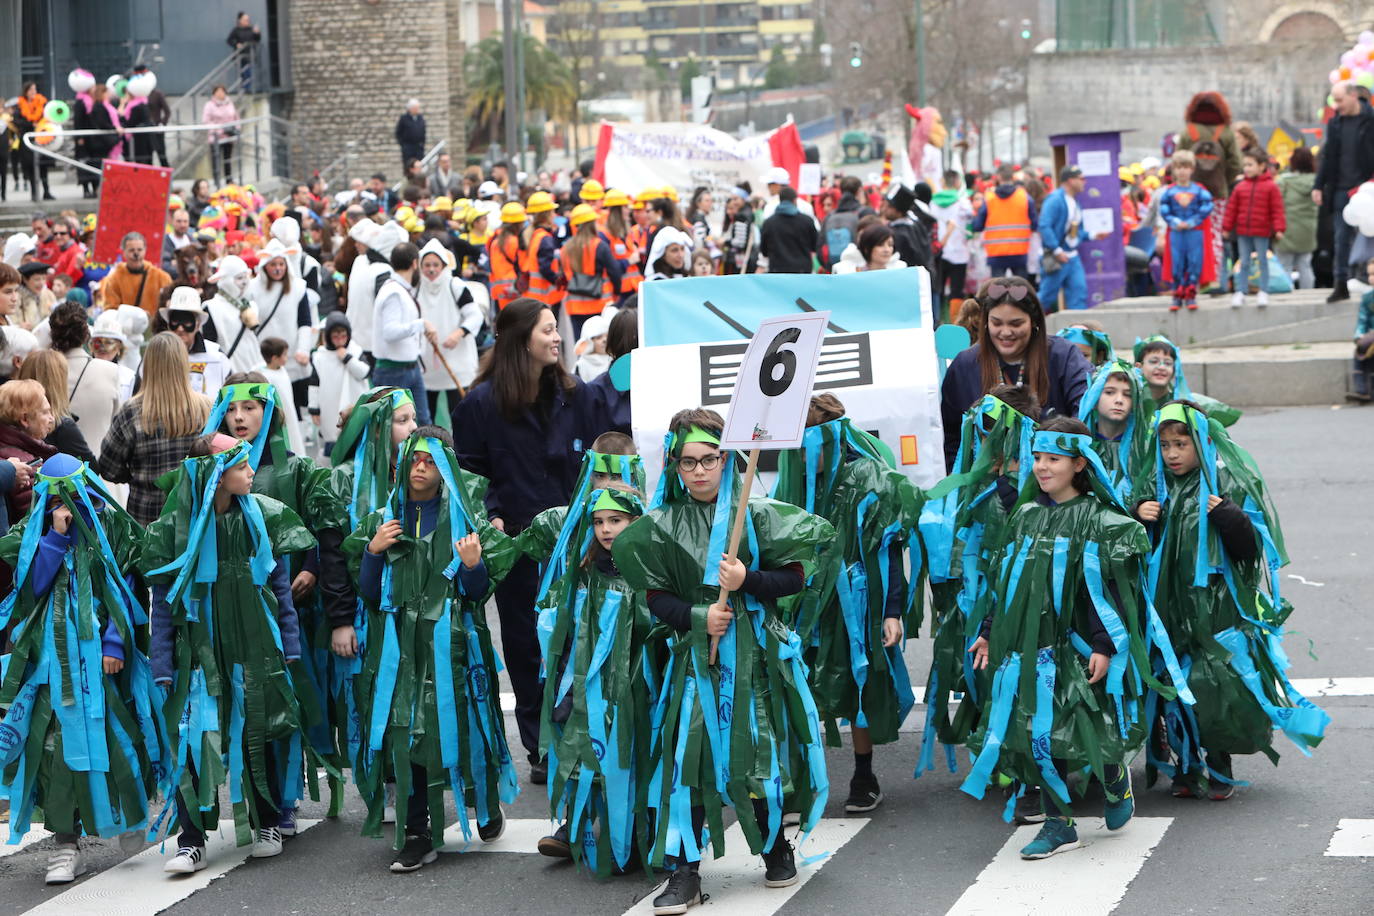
{"x": 521, "y": 835}
{"x": 735, "y": 881}
{"x": 1335, "y": 686}
{"x": 1305, "y": 582}
{"x": 1086, "y": 882}
{"x": 27, "y": 840}
{"x": 138, "y": 886}
{"x": 1353, "y": 837}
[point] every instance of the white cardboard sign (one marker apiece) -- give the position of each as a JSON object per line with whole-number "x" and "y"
{"x": 773, "y": 388}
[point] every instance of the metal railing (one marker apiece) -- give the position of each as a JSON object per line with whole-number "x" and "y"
{"x": 425, "y": 163}
{"x": 238, "y": 73}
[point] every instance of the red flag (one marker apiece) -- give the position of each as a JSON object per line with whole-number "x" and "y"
{"x": 603, "y": 148}
{"x": 133, "y": 198}
{"x": 785, "y": 146}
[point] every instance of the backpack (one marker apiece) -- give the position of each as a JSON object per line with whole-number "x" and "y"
{"x": 1207, "y": 151}
{"x": 840, "y": 229}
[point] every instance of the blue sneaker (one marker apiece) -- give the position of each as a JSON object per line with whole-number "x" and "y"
{"x": 286, "y": 821}
{"x": 1057, "y": 835}
{"x": 1117, "y": 813}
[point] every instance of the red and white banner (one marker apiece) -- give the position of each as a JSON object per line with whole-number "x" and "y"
{"x": 633, "y": 157}
{"x": 133, "y": 198}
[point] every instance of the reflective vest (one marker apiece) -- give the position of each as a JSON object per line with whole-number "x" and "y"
{"x": 545, "y": 291}
{"x": 638, "y": 239}
{"x": 576, "y": 303}
{"x": 624, "y": 251}
{"x": 1008, "y": 229}
{"x": 504, "y": 253}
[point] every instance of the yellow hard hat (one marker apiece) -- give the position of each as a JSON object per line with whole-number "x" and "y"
{"x": 652, "y": 192}
{"x": 637, "y": 203}
{"x": 539, "y": 202}
{"x": 582, "y": 213}
{"x": 512, "y": 213}
{"x": 670, "y": 192}
{"x": 403, "y": 214}
{"x": 592, "y": 190}
{"x": 616, "y": 198}
{"x": 443, "y": 203}
{"x": 1124, "y": 173}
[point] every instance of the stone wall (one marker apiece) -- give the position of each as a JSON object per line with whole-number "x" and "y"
{"x": 1146, "y": 91}
{"x": 354, "y": 63}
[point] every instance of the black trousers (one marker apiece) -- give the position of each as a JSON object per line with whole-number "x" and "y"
{"x": 520, "y": 647}
{"x": 268, "y": 809}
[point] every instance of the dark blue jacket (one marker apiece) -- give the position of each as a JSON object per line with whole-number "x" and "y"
{"x": 531, "y": 461}
{"x": 608, "y": 406}
{"x": 421, "y": 516}
{"x": 963, "y": 386}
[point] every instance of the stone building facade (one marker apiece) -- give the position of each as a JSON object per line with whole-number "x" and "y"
{"x": 355, "y": 63}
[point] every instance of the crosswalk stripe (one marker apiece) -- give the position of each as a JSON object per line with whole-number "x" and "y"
{"x": 138, "y": 885}
{"x": 1086, "y": 882}
{"x": 522, "y": 834}
{"x": 1353, "y": 837}
{"x": 1335, "y": 686}
{"x": 27, "y": 840}
{"x": 735, "y": 881}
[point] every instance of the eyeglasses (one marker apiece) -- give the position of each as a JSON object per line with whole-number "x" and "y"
{"x": 1159, "y": 362}
{"x": 708, "y": 463}
{"x": 60, "y": 233}
{"x": 1016, "y": 291}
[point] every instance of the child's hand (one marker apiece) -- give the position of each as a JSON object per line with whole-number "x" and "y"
{"x": 1097, "y": 667}
{"x": 1213, "y": 501}
{"x": 979, "y": 651}
{"x": 302, "y": 585}
{"x": 386, "y": 536}
{"x": 61, "y": 519}
{"x": 303, "y": 359}
{"x": 344, "y": 642}
{"x": 1148, "y": 511}
{"x": 112, "y": 665}
{"x": 892, "y": 631}
{"x": 718, "y": 619}
{"x": 342, "y": 354}
{"x": 469, "y": 550}
{"x": 732, "y": 573}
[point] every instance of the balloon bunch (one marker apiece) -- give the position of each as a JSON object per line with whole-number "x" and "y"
{"x": 1357, "y": 64}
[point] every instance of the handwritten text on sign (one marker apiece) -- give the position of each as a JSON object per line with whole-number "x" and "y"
{"x": 773, "y": 389}
{"x": 133, "y": 198}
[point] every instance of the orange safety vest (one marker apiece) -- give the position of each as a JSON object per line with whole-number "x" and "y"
{"x": 505, "y": 269}
{"x": 539, "y": 288}
{"x": 1007, "y": 230}
{"x": 624, "y": 251}
{"x": 585, "y": 305}
{"x": 638, "y": 238}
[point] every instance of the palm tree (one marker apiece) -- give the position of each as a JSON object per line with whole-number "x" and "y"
{"x": 548, "y": 82}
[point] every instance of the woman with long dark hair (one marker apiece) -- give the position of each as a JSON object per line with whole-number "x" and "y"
{"x": 1014, "y": 349}
{"x": 521, "y": 426}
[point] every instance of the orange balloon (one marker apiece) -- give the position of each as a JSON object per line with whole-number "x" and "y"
{"x": 1345, "y": 73}
{"x": 1371, "y": 54}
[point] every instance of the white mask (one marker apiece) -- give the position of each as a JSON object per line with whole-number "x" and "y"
{"x": 236, "y": 285}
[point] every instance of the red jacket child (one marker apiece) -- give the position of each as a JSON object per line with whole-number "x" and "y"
{"x": 1255, "y": 208}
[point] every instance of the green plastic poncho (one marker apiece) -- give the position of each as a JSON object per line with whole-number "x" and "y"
{"x": 1223, "y": 413}
{"x": 363, "y": 455}
{"x": 307, "y": 489}
{"x": 1124, "y": 456}
{"x": 1098, "y": 343}
{"x": 599, "y": 688}
{"x": 1225, "y": 617}
{"x": 427, "y": 694}
{"x": 848, "y": 478}
{"x": 232, "y": 693}
{"x": 748, "y": 727}
{"x": 89, "y": 749}
{"x": 1063, "y": 565}
{"x": 963, "y": 525}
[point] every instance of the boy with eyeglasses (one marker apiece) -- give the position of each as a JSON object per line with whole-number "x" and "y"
{"x": 1160, "y": 364}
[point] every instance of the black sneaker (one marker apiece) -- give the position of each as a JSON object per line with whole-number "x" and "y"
{"x": 1029, "y": 808}
{"x": 415, "y": 854}
{"x": 682, "y": 890}
{"x": 780, "y": 870}
{"x": 556, "y": 845}
{"x": 864, "y": 795}
{"x": 491, "y": 831}
{"x": 539, "y": 772}
{"x": 1339, "y": 293}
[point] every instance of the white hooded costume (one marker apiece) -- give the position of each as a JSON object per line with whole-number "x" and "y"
{"x": 288, "y": 231}
{"x": 232, "y": 312}
{"x": 284, "y": 310}
{"x": 449, "y": 306}
{"x": 368, "y": 273}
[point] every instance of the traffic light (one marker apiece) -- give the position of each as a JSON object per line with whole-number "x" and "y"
{"x": 856, "y": 55}
{"x": 1025, "y": 29}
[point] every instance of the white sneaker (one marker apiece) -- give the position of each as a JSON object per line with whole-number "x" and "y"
{"x": 65, "y": 864}
{"x": 268, "y": 843}
{"x": 188, "y": 860}
{"x": 389, "y": 808}
{"x": 1262, "y": 298}
{"x": 1237, "y": 299}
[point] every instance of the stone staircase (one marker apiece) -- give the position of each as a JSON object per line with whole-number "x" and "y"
{"x": 1295, "y": 351}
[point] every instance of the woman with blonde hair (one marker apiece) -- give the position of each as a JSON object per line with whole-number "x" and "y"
{"x": 49, "y": 369}
{"x": 25, "y": 418}
{"x": 152, "y": 432}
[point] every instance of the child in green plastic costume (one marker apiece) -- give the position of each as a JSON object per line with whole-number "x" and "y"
{"x": 428, "y": 705}
{"x": 1213, "y": 574}
{"x": 224, "y": 629}
{"x": 321, "y": 587}
{"x": 598, "y": 689}
{"x": 1093, "y": 341}
{"x": 744, "y": 732}
{"x": 73, "y": 611}
{"x": 1069, "y": 638}
{"x": 1115, "y": 409}
{"x": 865, "y": 608}
{"x": 963, "y": 524}
{"x": 1161, "y": 365}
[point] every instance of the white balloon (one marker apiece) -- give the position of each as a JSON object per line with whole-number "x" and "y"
{"x": 80, "y": 80}
{"x": 1367, "y": 37}
{"x": 142, "y": 85}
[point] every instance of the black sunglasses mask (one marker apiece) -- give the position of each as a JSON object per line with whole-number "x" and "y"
{"x": 182, "y": 322}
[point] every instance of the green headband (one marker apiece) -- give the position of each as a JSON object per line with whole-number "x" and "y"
{"x": 603, "y": 463}
{"x": 696, "y": 434}
{"x": 422, "y": 446}
{"x": 1002, "y": 413}
{"x": 401, "y": 397}
{"x": 1173, "y": 412}
{"x": 247, "y": 391}
{"x": 617, "y": 502}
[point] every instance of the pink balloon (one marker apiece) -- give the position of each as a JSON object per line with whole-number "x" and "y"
{"x": 1348, "y": 59}
{"x": 1334, "y": 76}
{"x": 1367, "y": 37}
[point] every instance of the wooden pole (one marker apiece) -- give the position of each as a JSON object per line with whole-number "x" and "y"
{"x": 737, "y": 530}
{"x": 443, "y": 362}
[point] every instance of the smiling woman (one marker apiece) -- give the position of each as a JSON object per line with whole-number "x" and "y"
{"x": 1014, "y": 349}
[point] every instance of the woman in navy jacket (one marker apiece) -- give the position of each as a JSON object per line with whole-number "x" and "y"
{"x": 1013, "y": 349}
{"x": 522, "y": 426}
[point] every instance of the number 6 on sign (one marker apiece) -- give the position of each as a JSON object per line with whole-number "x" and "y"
{"x": 773, "y": 389}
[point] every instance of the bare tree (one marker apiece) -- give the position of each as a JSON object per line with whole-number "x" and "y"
{"x": 574, "y": 33}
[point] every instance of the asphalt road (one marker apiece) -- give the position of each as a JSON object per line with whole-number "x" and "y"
{"x": 930, "y": 848}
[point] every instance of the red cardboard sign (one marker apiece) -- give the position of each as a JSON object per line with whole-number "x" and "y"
{"x": 133, "y": 198}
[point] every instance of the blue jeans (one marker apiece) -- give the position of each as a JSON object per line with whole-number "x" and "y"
{"x": 1072, "y": 280}
{"x": 1254, "y": 244}
{"x": 1345, "y": 237}
{"x": 1016, "y": 263}
{"x": 409, "y": 377}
